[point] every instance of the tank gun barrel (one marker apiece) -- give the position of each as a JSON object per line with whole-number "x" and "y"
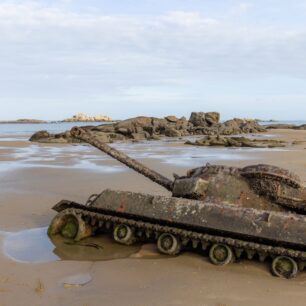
{"x": 91, "y": 139}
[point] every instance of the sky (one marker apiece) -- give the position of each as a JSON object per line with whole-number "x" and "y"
{"x": 125, "y": 58}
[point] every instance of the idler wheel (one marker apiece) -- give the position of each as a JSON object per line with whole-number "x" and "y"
{"x": 70, "y": 225}
{"x": 70, "y": 228}
{"x": 284, "y": 267}
{"x": 169, "y": 244}
{"x": 221, "y": 254}
{"x": 124, "y": 234}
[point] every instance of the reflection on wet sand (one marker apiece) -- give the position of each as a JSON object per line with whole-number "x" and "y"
{"x": 34, "y": 245}
{"x": 96, "y": 248}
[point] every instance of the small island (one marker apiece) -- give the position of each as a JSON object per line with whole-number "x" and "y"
{"x": 81, "y": 117}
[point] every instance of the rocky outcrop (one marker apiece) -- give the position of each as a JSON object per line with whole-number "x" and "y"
{"x": 286, "y": 126}
{"x": 151, "y": 128}
{"x": 80, "y": 117}
{"x": 237, "y": 142}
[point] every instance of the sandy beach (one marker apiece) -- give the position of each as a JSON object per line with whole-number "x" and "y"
{"x": 34, "y": 177}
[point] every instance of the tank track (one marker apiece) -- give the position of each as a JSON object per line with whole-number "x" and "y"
{"x": 195, "y": 239}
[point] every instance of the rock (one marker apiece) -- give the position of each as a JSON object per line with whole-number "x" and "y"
{"x": 108, "y": 128}
{"x": 171, "y": 118}
{"x": 204, "y": 119}
{"x": 117, "y": 137}
{"x": 300, "y": 127}
{"x": 124, "y": 131}
{"x": 40, "y": 135}
{"x": 197, "y": 119}
{"x": 104, "y": 137}
{"x": 240, "y": 126}
{"x": 280, "y": 126}
{"x": 286, "y": 126}
{"x": 139, "y": 136}
{"x": 212, "y": 118}
{"x": 171, "y": 132}
{"x": 237, "y": 142}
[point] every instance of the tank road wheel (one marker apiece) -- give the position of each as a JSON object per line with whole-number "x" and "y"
{"x": 124, "y": 234}
{"x": 285, "y": 267}
{"x": 169, "y": 244}
{"x": 221, "y": 254}
{"x": 70, "y": 226}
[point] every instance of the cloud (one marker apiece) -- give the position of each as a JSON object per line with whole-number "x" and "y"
{"x": 55, "y": 54}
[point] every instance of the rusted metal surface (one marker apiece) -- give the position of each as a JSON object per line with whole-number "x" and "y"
{"x": 281, "y": 228}
{"x": 250, "y": 224}
{"x": 149, "y": 230}
{"x": 260, "y": 186}
{"x": 90, "y": 138}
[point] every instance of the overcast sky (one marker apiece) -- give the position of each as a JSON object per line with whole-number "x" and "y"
{"x": 152, "y": 57}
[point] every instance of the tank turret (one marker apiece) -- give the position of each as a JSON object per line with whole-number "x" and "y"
{"x": 258, "y": 186}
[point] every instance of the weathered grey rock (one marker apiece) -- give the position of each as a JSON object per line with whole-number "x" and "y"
{"x": 204, "y": 119}
{"x": 171, "y": 132}
{"x": 197, "y": 118}
{"x": 108, "y": 128}
{"x": 212, "y": 118}
{"x": 237, "y": 142}
{"x": 171, "y": 118}
{"x": 139, "y": 136}
{"x": 286, "y": 126}
{"x": 300, "y": 127}
{"x": 280, "y": 126}
{"x": 40, "y": 135}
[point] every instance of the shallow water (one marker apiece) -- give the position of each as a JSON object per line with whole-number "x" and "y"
{"x": 87, "y": 158}
{"x": 34, "y": 246}
{"x": 29, "y": 128}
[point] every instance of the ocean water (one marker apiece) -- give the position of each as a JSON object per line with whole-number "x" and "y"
{"x": 29, "y": 129}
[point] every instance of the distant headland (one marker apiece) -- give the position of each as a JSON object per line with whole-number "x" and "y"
{"x": 80, "y": 117}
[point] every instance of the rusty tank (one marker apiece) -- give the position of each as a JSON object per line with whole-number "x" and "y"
{"x": 228, "y": 213}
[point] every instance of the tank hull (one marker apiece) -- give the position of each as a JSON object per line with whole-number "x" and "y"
{"x": 273, "y": 228}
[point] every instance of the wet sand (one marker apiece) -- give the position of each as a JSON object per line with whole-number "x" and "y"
{"x": 34, "y": 177}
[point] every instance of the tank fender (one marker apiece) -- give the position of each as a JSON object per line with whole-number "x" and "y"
{"x": 62, "y": 205}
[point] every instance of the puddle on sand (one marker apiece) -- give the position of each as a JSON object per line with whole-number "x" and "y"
{"x": 34, "y": 246}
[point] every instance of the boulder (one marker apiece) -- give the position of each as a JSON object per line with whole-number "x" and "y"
{"x": 40, "y": 135}
{"x": 171, "y": 132}
{"x": 197, "y": 119}
{"x": 139, "y": 136}
{"x": 212, "y": 118}
{"x": 171, "y": 118}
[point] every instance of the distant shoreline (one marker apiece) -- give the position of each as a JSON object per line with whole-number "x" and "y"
{"x": 53, "y": 122}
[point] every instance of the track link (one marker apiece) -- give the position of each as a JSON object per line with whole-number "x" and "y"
{"x": 194, "y": 239}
